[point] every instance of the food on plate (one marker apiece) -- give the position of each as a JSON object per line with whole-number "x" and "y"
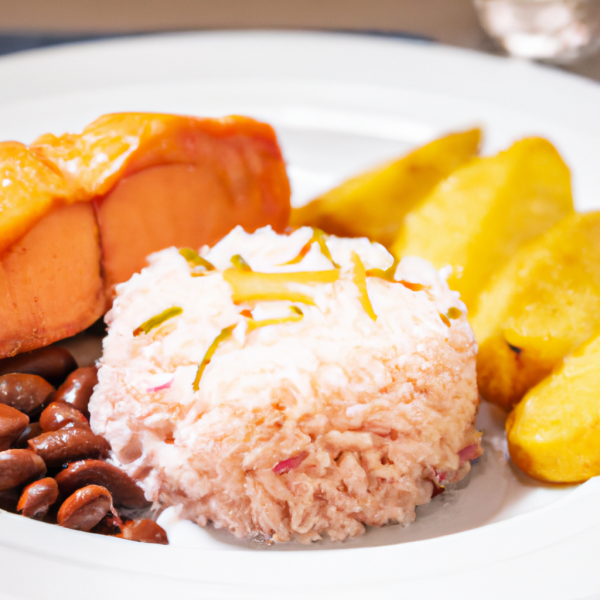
{"x": 50, "y": 280}
{"x": 477, "y": 218}
{"x": 77, "y": 389}
{"x": 37, "y": 498}
{"x": 125, "y": 492}
{"x": 60, "y": 414}
{"x": 144, "y": 530}
{"x": 24, "y": 391}
{"x": 373, "y": 204}
{"x": 52, "y": 363}
{"x": 525, "y": 264}
{"x": 18, "y": 467}
{"x": 84, "y": 509}
{"x": 80, "y": 213}
{"x": 341, "y": 395}
{"x": 554, "y": 432}
{"x": 537, "y": 309}
{"x": 32, "y": 430}
{"x": 45, "y": 469}
{"x": 287, "y": 386}
{"x": 12, "y": 425}
{"x": 69, "y": 443}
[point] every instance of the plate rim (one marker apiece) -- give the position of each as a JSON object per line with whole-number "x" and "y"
{"x": 541, "y": 78}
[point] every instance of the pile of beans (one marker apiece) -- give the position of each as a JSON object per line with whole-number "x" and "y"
{"x": 52, "y": 465}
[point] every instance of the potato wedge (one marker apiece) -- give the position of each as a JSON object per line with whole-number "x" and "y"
{"x": 540, "y": 307}
{"x": 554, "y": 432}
{"x": 374, "y": 203}
{"x": 476, "y": 219}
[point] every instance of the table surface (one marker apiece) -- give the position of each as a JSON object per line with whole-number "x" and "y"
{"x": 34, "y": 23}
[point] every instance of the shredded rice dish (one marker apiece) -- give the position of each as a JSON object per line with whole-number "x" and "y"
{"x": 292, "y": 386}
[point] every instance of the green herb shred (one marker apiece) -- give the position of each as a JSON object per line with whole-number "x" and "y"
{"x": 240, "y": 264}
{"x": 195, "y": 260}
{"x": 454, "y": 313}
{"x": 225, "y": 333}
{"x": 297, "y": 315}
{"x": 150, "y": 324}
{"x": 388, "y": 274}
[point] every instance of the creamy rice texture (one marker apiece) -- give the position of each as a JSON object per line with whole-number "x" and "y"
{"x": 318, "y": 425}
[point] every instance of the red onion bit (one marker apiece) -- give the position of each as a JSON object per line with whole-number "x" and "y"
{"x": 440, "y": 475}
{"x": 470, "y": 453}
{"x": 290, "y": 463}
{"x": 164, "y": 386}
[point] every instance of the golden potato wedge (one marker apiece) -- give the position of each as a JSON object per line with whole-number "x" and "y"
{"x": 554, "y": 432}
{"x": 478, "y": 217}
{"x": 540, "y": 307}
{"x": 373, "y": 204}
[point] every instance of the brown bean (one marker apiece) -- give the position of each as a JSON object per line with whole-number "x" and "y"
{"x": 12, "y": 424}
{"x": 51, "y": 363}
{"x": 37, "y": 498}
{"x": 124, "y": 490}
{"x": 84, "y": 509}
{"x": 77, "y": 388}
{"x": 24, "y": 392}
{"x": 144, "y": 531}
{"x": 19, "y": 466}
{"x": 60, "y": 414}
{"x": 32, "y": 430}
{"x": 69, "y": 444}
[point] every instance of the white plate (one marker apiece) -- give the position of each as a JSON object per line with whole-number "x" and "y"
{"x": 340, "y": 104}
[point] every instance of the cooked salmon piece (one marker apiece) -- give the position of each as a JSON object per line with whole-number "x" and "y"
{"x": 80, "y": 213}
{"x": 50, "y": 281}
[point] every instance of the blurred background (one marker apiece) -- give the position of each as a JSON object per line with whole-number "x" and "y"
{"x": 558, "y": 31}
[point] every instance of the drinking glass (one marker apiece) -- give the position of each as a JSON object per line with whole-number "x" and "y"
{"x": 557, "y": 31}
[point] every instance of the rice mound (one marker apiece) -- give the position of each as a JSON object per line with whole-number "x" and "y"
{"x": 301, "y": 428}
